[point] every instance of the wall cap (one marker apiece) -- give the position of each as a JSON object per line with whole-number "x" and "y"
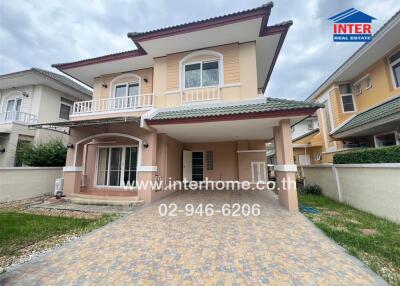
{"x": 29, "y": 168}
{"x": 285, "y": 168}
{"x": 72, "y": 169}
{"x": 373, "y": 165}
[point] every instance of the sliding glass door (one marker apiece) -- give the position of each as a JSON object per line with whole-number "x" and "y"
{"x": 116, "y": 166}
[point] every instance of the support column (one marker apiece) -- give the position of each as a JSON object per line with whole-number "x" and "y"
{"x": 285, "y": 169}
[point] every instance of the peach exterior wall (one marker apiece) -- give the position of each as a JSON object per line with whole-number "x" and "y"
{"x": 382, "y": 89}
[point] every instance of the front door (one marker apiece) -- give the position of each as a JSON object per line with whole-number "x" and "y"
{"x": 187, "y": 165}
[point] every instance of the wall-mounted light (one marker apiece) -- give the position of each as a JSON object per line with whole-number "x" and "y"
{"x": 2, "y": 149}
{"x": 145, "y": 144}
{"x": 24, "y": 93}
{"x": 70, "y": 146}
{"x": 145, "y": 80}
{"x": 104, "y": 85}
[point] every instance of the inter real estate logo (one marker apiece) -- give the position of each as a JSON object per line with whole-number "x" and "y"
{"x": 352, "y": 26}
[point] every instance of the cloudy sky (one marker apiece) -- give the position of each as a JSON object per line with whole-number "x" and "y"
{"x": 38, "y": 33}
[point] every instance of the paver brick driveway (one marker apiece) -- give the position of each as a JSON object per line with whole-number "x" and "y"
{"x": 275, "y": 248}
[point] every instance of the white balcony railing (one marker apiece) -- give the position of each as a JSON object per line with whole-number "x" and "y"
{"x": 18, "y": 117}
{"x": 201, "y": 94}
{"x": 126, "y": 103}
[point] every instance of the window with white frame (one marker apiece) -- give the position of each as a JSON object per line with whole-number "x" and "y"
{"x": 394, "y": 61}
{"x": 368, "y": 82}
{"x": 317, "y": 156}
{"x": 357, "y": 88}
{"x": 65, "y": 108}
{"x": 327, "y": 116}
{"x": 116, "y": 166}
{"x": 201, "y": 74}
{"x": 310, "y": 125}
{"x": 126, "y": 89}
{"x": 347, "y": 97}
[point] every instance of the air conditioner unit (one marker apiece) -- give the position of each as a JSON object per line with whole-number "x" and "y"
{"x": 58, "y": 187}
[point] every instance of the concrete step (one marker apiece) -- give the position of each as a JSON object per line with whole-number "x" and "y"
{"x": 103, "y": 200}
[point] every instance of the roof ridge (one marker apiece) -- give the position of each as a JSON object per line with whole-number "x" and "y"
{"x": 265, "y": 5}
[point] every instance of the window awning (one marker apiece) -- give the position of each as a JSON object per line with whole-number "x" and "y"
{"x": 61, "y": 125}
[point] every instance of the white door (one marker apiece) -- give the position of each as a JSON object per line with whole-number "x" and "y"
{"x": 259, "y": 172}
{"x": 304, "y": 160}
{"x": 187, "y": 165}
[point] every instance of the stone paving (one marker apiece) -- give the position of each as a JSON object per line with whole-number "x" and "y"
{"x": 143, "y": 248}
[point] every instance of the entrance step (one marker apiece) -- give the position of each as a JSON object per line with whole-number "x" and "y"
{"x": 103, "y": 200}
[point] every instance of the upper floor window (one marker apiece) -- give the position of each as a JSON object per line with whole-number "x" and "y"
{"x": 126, "y": 89}
{"x": 347, "y": 97}
{"x": 202, "y": 74}
{"x": 327, "y": 116}
{"x": 394, "y": 61}
{"x": 357, "y": 88}
{"x": 65, "y": 108}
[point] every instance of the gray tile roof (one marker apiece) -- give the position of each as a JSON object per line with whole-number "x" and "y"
{"x": 267, "y": 105}
{"x": 63, "y": 80}
{"x": 381, "y": 111}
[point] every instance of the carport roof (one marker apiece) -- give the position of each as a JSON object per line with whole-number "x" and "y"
{"x": 379, "y": 112}
{"x": 267, "y": 105}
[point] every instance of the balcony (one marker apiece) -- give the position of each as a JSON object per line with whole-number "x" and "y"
{"x": 111, "y": 105}
{"x": 18, "y": 117}
{"x": 201, "y": 94}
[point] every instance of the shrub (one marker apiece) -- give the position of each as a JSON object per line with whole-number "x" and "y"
{"x": 311, "y": 190}
{"x": 371, "y": 155}
{"x": 49, "y": 154}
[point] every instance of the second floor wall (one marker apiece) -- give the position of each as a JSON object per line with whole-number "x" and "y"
{"x": 375, "y": 85}
{"x": 223, "y": 73}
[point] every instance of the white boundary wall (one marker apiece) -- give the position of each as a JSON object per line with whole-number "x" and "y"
{"x": 18, "y": 183}
{"x": 374, "y": 188}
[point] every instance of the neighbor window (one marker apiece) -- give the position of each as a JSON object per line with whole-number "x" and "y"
{"x": 317, "y": 156}
{"x": 65, "y": 108}
{"x": 357, "y": 88}
{"x": 387, "y": 139}
{"x": 310, "y": 125}
{"x": 327, "y": 116}
{"x": 202, "y": 74}
{"x": 394, "y": 61}
{"x": 368, "y": 82}
{"x": 347, "y": 97}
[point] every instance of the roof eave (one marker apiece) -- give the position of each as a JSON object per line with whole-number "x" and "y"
{"x": 229, "y": 117}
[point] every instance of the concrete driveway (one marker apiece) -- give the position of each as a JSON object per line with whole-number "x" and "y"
{"x": 274, "y": 248}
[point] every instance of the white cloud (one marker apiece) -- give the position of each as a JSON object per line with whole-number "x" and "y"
{"x": 43, "y": 32}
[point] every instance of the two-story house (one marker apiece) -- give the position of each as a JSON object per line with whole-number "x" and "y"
{"x": 187, "y": 104}
{"x": 30, "y": 97}
{"x": 361, "y": 98}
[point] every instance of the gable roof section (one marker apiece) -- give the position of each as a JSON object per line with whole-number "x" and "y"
{"x": 54, "y": 77}
{"x": 302, "y": 136}
{"x": 352, "y": 16}
{"x": 386, "y": 109}
{"x": 271, "y": 106}
{"x": 261, "y": 11}
{"x": 239, "y": 27}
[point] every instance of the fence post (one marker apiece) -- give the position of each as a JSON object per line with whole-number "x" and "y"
{"x": 337, "y": 182}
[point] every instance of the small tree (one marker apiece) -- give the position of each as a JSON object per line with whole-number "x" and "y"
{"x": 49, "y": 154}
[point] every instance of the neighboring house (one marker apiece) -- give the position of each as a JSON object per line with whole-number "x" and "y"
{"x": 361, "y": 98}
{"x": 188, "y": 104}
{"x": 30, "y": 97}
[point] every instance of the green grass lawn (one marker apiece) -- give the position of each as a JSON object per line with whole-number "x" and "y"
{"x": 20, "y": 230}
{"x": 374, "y": 240}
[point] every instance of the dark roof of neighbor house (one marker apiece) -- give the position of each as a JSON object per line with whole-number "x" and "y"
{"x": 381, "y": 111}
{"x": 64, "y": 80}
{"x": 306, "y": 134}
{"x": 53, "y": 76}
{"x": 265, "y": 8}
{"x": 272, "y": 105}
{"x": 352, "y": 16}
